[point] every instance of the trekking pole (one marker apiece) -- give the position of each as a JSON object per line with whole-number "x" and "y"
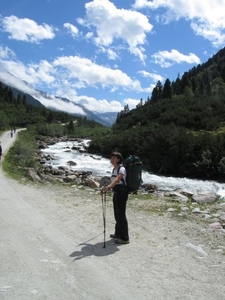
{"x": 104, "y": 215}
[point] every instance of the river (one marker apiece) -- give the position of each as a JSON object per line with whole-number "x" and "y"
{"x": 100, "y": 166}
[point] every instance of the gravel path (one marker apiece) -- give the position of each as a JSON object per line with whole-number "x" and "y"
{"x": 51, "y": 247}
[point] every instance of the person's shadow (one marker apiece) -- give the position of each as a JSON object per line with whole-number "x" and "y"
{"x": 98, "y": 249}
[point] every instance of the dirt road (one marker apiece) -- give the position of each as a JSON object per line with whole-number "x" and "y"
{"x": 51, "y": 247}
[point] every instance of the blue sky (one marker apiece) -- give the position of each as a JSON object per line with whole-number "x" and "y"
{"x": 105, "y": 54}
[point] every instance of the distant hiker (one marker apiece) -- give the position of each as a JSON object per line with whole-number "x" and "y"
{"x": 120, "y": 196}
{"x": 11, "y": 133}
{"x": 0, "y": 151}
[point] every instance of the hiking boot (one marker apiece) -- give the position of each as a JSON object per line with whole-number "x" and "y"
{"x": 122, "y": 242}
{"x": 114, "y": 236}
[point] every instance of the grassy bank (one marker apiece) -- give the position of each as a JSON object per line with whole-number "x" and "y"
{"x": 21, "y": 155}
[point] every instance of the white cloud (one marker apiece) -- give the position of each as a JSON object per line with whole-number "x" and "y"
{"x": 48, "y": 101}
{"x": 34, "y": 74}
{"x": 65, "y": 75}
{"x": 166, "y": 59}
{"x": 26, "y": 30}
{"x": 13, "y": 81}
{"x": 18, "y": 69}
{"x": 142, "y": 4}
{"x": 89, "y": 35}
{"x": 96, "y": 105}
{"x": 100, "y": 105}
{"x": 6, "y": 53}
{"x": 215, "y": 35}
{"x": 56, "y": 103}
{"x": 132, "y": 103}
{"x": 112, "y": 55}
{"x": 87, "y": 73}
{"x": 207, "y": 16}
{"x": 153, "y": 76}
{"x": 72, "y": 29}
{"x": 117, "y": 24}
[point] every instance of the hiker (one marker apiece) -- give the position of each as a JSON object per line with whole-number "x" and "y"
{"x": 11, "y": 133}
{"x": 120, "y": 196}
{"x": 0, "y": 151}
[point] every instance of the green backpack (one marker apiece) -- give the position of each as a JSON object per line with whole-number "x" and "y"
{"x": 133, "y": 166}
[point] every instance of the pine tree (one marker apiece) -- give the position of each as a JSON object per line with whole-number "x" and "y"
{"x": 167, "y": 89}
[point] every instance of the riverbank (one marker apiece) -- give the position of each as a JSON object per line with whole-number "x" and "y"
{"x": 56, "y": 153}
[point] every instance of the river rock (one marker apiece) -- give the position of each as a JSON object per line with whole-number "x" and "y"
{"x": 222, "y": 216}
{"x": 105, "y": 180}
{"x": 32, "y": 174}
{"x": 205, "y": 197}
{"x": 71, "y": 163}
{"x": 91, "y": 183}
{"x": 171, "y": 209}
{"x": 196, "y": 210}
{"x": 57, "y": 172}
{"x": 215, "y": 225}
{"x": 178, "y": 196}
{"x": 75, "y": 148}
{"x": 70, "y": 178}
{"x": 149, "y": 187}
{"x": 63, "y": 168}
{"x": 82, "y": 151}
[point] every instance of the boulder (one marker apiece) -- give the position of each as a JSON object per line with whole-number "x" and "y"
{"x": 91, "y": 183}
{"x": 57, "y": 172}
{"x": 63, "y": 168}
{"x": 151, "y": 188}
{"x": 205, "y": 197}
{"x": 178, "y": 196}
{"x": 70, "y": 178}
{"x": 33, "y": 175}
{"x": 105, "y": 180}
{"x": 75, "y": 148}
{"x": 71, "y": 163}
{"x": 82, "y": 151}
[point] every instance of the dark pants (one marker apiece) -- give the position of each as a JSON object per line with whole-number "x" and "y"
{"x": 119, "y": 204}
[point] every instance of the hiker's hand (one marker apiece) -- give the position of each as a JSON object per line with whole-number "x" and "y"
{"x": 104, "y": 189}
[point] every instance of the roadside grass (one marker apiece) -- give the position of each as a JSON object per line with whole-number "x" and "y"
{"x": 155, "y": 203}
{"x": 21, "y": 155}
{"x": 182, "y": 211}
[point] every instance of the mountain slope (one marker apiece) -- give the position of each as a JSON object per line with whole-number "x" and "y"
{"x": 31, "y": 100}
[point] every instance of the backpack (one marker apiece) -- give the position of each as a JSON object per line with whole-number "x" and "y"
{"x": 133, "y": 166}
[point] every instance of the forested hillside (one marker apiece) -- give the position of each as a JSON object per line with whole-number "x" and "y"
{"x": 180, "y": 129}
